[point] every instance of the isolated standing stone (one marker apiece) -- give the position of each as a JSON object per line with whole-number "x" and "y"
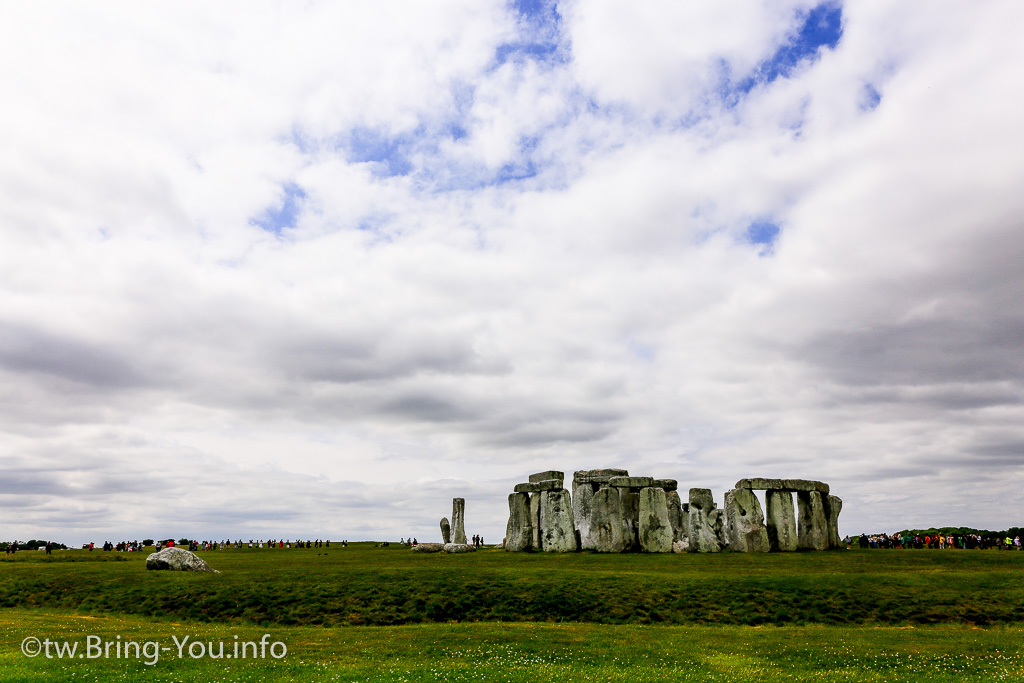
{"x": 835, "y": 506}
{"x": 446, "y": 530}
{"x": 178, "y": 559}
{"x": 655, "y": 530}
{"x": 703, "y": 538}
{"x": 812, "y": 530}
{"x": 747, "y": 532}
{"x": 459, "y": 520}
{"x": 606, "y": 521}
{"x": 781, "y": 520}
{"x": 675, "y": 515}
{"x": 558, "y": 533}
{"x": 518, "y": 532}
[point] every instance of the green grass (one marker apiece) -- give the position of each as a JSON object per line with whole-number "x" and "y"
{"x": 489, "y": 616}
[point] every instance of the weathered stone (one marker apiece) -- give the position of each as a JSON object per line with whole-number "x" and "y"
{"x": 597, "y": 476}
{"x": 544, "y": 476}
{"x": 178, "y": 559}
{"x": 718, "y": 524}
{"x": 747, "y": 532}
{"x": 459, "y": 548}
{"x": 763, "y": 484}
{"x": 558, "y": 533}
{"x": 681, "y": 546}
{"x": 812, "y": 529}
{"x": 428, "y": 547}
{"x": 629, "y": 513}
{"x": 458, "y": 520}
{"x": 539, "y": 486}
{"x": 666, "y": 485}
{"x": 518, "y": 532}
{"x": 781, "y": 520}
{"x": 582, "y": 509}
{"x": 535, "y": 535}
{"x": 702, "y": 535}
{"x": 446, "y": 530}
{"x": 834, "y": 506}
{"x": 606, "y": 522}
{"x": 685, "y": 509}
{"x": 631, "y": 482}
{"x": 527, "y": 488}
{"x": 655, "y": 529}
{"x": 675, "y": 515}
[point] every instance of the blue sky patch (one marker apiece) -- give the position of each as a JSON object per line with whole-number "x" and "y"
{"x": 763, "y": 232}
{"x": 541, "y": 34}
{"x": 284, "y": 214}
{"x": 870, "y": 97}
{"x": 822, "y": 27}
{"x": 366, "y": 145}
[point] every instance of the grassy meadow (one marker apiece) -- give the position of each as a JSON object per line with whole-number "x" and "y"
{"x": 383, "y": 614}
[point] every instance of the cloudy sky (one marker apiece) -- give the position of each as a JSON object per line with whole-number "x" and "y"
{"x": 313, "y": 269}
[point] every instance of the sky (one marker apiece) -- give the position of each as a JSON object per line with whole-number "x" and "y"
{"x": 283, "y": 270}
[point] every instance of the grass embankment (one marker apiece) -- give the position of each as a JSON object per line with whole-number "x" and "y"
{"x": 363, "y": 585}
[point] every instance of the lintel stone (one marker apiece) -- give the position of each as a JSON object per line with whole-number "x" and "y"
{"x": 666, "y": 484}
{"x": 544, "y": 476}
{"x": 631, "y": 482}
{"x": 765, "y": 484}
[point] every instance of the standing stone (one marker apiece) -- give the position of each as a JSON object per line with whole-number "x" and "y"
{"x": 606, "y": 521}
{"x": 459, "y": 520}
{"x": 717, "y": 521}
{"x": 835, "y": 506}
{"x": 535, "y": 535}
{"x": 582, "y": 510}
{"x": 518, "y": 532}
{"x": 812, "y": 531}
{"x": 629, "y": 514}
{"x": 703, "y": 538}
{"x": 747, "y": 532}
{"x": 781, "y": 520}
{"x": 446, "y": 530}
{"x": 675, "y": 515}
{"x": 558, "y": 533}
{"x": 655, "y": 530}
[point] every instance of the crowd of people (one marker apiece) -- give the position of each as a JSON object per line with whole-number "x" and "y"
{"x": 936, "y": 541}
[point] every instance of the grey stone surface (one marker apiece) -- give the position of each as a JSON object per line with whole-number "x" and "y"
{"x": 631, "y": 482}
{"x": 681, "y": 546}
{"x": 518, "y": 533}
{"x": 763, "y": 484}
{"x": 812, "y": 524}
{"x": 781, "y": 520}
{"x": 702, "y": 536}
{"x": 582, "y": 510}
{"x": 747, "y": 531}
{"x": 606, "y": 522}
{"x": 538, "y": 486}
{"x": 655, "y": 529}
{"x": 535, "y": 536}
{"x": 834, "y": 505}
{"x": 458, "y": 520}
{"x": 629, "y": 514}
{"x": 178, "y": 559}
{"x": 675, "y": 515}
{"x": 666, "y": 485}
{"x": 544, "y": 476}
{"x": 558, "y": 533}
{"x": 717, "y": 522}
{"x": 459, "y": 548}
{"x": 527, "y": 488}
{"x": 446, "y": 531}
{"x": 597, "y": 476}
{"x": 428, "y": 548}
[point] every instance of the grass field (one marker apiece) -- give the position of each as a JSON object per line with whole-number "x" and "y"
{"x": 845, "y": 616}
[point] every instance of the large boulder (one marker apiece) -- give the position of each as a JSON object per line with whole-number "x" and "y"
{"x": 178, "y": 559}
{"x": 446, "y": 530}
{"x": 459, "y": 548}
{"x": 781, "y": 520}
{"x": 558, "y": 533}
{"x": 518, "y": 533}
{"x": 428, "y": 547}
{"x": 606, "y": 522}
{"x": 703, "y": 536}
{"x": 812, "y": 527}
{"x": 655, "y": 529}
{"x": 747, "y": 532}
{"x": 458, "y": 520}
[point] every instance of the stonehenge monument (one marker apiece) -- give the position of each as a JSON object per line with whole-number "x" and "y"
{"x": 610, "y": 511}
